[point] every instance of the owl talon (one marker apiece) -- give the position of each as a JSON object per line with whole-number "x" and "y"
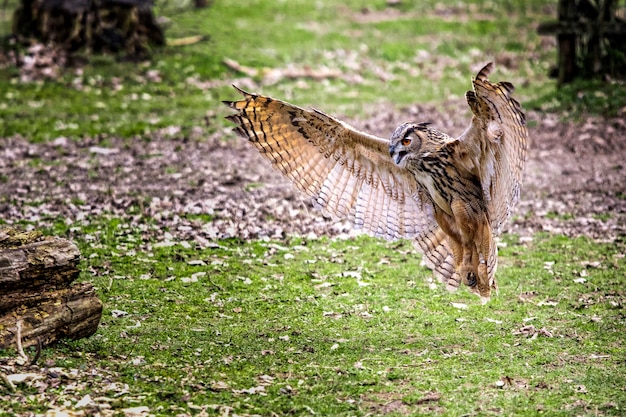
{"x": 471, "y": 280}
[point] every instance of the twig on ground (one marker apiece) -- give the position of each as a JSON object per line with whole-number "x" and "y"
{"x": 18, "y": 339}
{"x": 189, "y": 40}
{"x": 7, "y": 382}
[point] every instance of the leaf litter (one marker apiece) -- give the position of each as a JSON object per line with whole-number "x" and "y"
{"x": 187, "y": 191}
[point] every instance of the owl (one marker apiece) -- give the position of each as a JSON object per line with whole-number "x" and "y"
{"x": 450, "y": 196}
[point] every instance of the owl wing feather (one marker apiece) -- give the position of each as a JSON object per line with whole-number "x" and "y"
{"x": 495, "y": 144}
{"x": 348, "y": 173}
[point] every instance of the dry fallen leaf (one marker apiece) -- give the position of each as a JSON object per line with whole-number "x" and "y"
{"x": 140, "y": 411}
{"x": 60, "y": 412}
{"x": 86, "y": 401}
{"x": 119, "y": 313}
{"x": 591, "y": 264}
{"x": 532, "y": 332}
{"x": 23, "y": 378}
{"x": 594, "y": 356}
{"x": 260, "y": 389}
{"x": 219, "y": 386}
{"x": 103, "y": 151}
{"x": 265, "y": 379}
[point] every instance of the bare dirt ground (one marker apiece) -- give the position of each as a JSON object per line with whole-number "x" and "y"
{"x": 203, "y": 188}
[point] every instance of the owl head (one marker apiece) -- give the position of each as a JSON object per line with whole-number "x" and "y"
{"x": 408, "y": 141}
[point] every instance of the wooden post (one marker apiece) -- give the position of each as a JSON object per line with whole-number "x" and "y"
{"x": 36, "y": 291}
{"x": 567, "y": 42}
{"x": 591, "y": 38}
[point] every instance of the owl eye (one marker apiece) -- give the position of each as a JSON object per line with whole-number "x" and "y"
{"x": 406, "y": 142}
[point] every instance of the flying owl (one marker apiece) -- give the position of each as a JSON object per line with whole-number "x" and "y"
{"x": 450, "y": 196}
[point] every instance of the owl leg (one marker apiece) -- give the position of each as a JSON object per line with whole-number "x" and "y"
{"x": 465, "y": 227}
{"x": 483, "y": 251}
{"x": 468, "y": 266}
{"x": 457, "y": 254}
{"x": 460, "y": 228}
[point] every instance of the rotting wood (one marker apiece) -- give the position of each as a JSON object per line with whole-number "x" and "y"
{"x": 36, "y": 290}
{"x": 95, "y": 25}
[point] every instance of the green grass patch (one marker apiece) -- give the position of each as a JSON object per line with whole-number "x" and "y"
{"x": 580, "y": 98}
{"x": 345, "y": 327}
{"x": 556, "y": 216}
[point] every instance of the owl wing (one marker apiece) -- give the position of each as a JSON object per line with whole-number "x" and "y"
{"x": 348, "y": 173}
{"x": 495, "y": 144}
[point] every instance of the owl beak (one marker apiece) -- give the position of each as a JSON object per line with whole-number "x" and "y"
{"x": 396, "y": 157}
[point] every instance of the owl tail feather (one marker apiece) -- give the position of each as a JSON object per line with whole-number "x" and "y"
{"x": 438, "y": 256}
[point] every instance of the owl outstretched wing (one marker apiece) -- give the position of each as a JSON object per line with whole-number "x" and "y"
{"x": 348, "y": 173}
{"x": 495, "y": 144}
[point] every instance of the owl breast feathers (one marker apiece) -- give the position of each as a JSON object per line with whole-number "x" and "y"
{"x": 451, "y": 196}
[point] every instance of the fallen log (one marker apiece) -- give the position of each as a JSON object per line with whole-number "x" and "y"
{"x": 38, "y": 301}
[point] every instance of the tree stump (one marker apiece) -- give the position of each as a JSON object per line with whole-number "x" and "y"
{"x": 96, "y": 25}
{"x": 37, "y": 298}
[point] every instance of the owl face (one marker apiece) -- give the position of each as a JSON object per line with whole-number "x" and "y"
{"x": 406, "y": 142}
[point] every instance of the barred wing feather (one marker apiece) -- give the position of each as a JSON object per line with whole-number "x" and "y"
{"x": 496, "y": 144}
{"x": 348, "y": 173}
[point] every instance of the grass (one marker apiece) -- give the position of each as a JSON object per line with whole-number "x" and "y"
{"x": 325, "y": 327}
{"x": 577, "y": 99}
{"x": 346, "y": 327}
{"x": 434, "y": 50}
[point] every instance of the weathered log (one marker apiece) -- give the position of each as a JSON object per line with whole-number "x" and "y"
{"x": 37, "y": 294}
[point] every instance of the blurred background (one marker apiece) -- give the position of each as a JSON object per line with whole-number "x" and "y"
{"x": 129, "y": 67}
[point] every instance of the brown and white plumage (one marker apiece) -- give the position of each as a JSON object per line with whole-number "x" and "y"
{"x": 450, "y": 195}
